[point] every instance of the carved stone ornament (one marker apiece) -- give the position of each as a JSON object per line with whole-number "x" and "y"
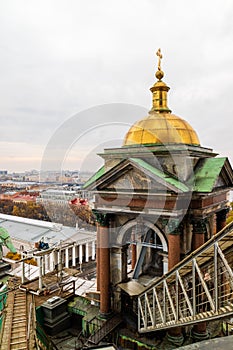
{"x": 199, "y": 225}
{"x": 101, "y": 218}
{"x": 174, "y": 227}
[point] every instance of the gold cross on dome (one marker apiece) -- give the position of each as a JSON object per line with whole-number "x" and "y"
{"x": 160, "y": 56}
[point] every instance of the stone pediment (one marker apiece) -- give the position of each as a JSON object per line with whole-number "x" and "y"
{"x": 135, "y": 174}
{"x": 219, "y": 182}
{"x": 134, "y": 179}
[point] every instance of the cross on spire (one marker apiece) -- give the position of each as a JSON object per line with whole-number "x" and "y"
{"x": 160, "y": 56}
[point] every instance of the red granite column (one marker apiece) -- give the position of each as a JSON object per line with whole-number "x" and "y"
{"x": 98, "y": 258}
{"x": 213, "y": 224}
{"x": 198, "y": 239}
{"x": 104, "y": 271}
{"x": 174, "y": 334}
{"x": 199, "y": 228}
{"x": 173, "y": 250}
{"x": 103, "y": 261}
{"x": 133, "y": 255}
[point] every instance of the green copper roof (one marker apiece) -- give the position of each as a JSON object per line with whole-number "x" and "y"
{"x": 167, "y": 178}
{"x": 206, "y": 174}
{"x": 95, "y": 177}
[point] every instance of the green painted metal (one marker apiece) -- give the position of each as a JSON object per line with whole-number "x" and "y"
{"x": 83, "y": 307}
{"x": 3, "y": 300}
{"x": 207, "y": 173}
{"x": 6, "y": 240}
{"x": 95, "y": 177}
{"x": 3, "y": 297}
{"x": 133, "y": 341}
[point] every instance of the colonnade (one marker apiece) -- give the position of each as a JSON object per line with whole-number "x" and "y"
{"x": 72, "y": 255}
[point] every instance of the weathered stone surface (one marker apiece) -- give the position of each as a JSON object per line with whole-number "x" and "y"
{"x": 213, "y": 344}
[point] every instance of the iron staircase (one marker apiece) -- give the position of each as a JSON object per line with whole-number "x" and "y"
{"x": 199, "y": 288}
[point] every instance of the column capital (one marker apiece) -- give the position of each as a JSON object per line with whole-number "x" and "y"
{"x": 174, "y": 227}
{"x": 101, "y": 218}
{"x": 199, "y": 225}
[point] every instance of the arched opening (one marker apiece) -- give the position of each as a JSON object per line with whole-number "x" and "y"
{"x": 146, "y": 251}
{"x": 152, "y": 264}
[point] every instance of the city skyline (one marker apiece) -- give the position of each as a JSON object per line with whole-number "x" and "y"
{"x": 59, "y": 59}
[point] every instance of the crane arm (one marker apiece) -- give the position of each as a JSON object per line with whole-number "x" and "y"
{"x": 6, "y": 240}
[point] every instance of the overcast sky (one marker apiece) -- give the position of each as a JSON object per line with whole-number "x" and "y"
{"x": 59, "y": 58}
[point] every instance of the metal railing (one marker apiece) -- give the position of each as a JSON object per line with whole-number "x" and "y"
{"x": 103, "y": 328}
{"x": 67, "y": 289}
{"x": 197, "y": 289}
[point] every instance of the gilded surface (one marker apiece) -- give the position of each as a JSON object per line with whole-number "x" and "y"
{"x": 158, "y": 53}
{"x": 161, "y": 128}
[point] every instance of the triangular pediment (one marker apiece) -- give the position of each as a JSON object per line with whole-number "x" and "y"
{"x": 135, "y": 179}
{"x": 219, "y": 183}
{"x": 135, "y": 174}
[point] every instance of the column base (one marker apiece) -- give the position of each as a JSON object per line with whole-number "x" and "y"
{"x": 175, "y": 340}
{"x": 199, "y": 336}
{"x": 105, "y": 316}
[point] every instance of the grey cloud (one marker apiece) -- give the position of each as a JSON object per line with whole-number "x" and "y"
{"x": 61, "y": 57}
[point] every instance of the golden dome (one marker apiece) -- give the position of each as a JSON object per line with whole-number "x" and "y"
{"x": 160, "y": 127}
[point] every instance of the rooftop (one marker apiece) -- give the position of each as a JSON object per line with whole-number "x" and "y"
{"x": 32, "y": 231}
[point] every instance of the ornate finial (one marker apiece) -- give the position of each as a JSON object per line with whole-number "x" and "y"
{"x": 160, "y": 89}
{"x": 160, "y": 56}
{"x": 159, "y": 74}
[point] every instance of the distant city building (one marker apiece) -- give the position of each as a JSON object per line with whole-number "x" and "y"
{"x": 58, "y": 196}
{"x": 17, "y": 185}
{"x": 24, "y": 198}
{"x": 32, "y": 177}
{"x": 18, "y": 197}
{"x": 8, "y": 195}
{"x": 64, "y": 177}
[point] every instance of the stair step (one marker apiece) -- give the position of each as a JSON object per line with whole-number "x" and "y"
{"x": 15, "y": 326}
{"x": 18, "y": 342}
{"x": 19, "y": 321}
{"x": 18, "y": 336}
